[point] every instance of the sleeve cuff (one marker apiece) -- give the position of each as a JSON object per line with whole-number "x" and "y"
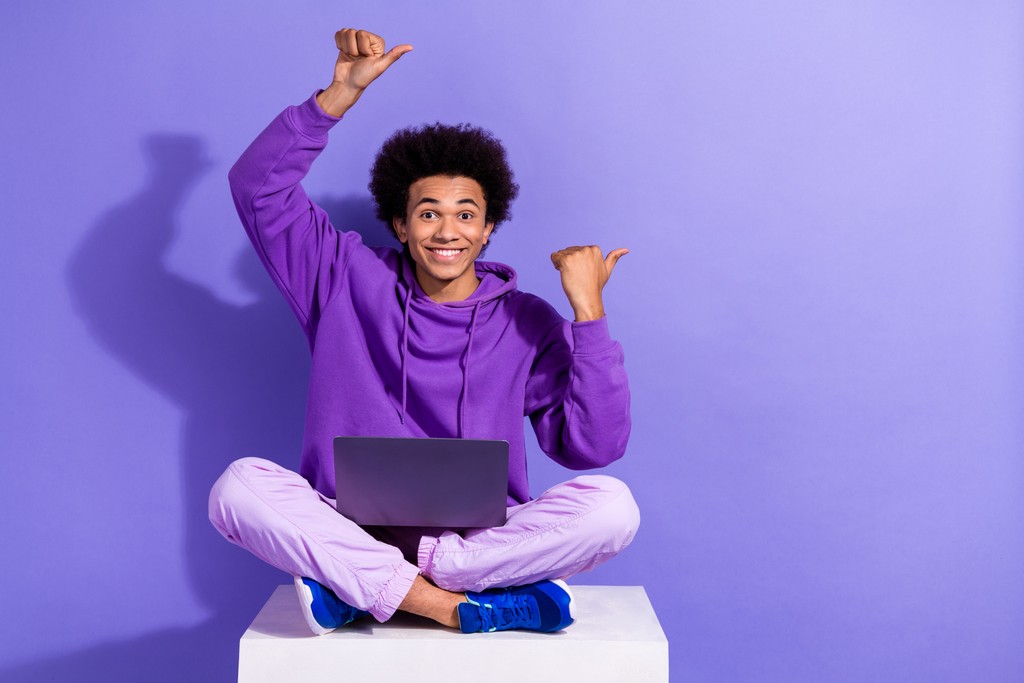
{"x": 312, "y": 121}
{"x": 591, "y": 336}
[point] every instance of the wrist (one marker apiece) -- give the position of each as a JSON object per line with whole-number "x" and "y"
{"x": 337, "y": 99}
{"x": 588, "y": 312}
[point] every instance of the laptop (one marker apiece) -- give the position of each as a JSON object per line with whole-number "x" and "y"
{"x": 448, "y": 483}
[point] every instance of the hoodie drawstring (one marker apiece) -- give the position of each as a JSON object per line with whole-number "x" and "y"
{"x": 465, "y": 374}
{"x": 405, "y": 353}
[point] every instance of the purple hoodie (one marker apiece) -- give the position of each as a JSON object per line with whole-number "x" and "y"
{"x": 390, "y": 361}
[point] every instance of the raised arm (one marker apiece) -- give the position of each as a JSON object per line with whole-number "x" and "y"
{"x": 578, "y": 395}
{"x": 293, "y": 236}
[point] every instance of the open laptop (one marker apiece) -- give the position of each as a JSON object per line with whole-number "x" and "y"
{"x": 449, "y": 483}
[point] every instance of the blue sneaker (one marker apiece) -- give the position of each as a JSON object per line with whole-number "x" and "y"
{"x": 543, "y": 606}
{"x": 322, "y": 609}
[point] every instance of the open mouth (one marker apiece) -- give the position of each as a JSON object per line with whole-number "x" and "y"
{"x": 446, "y": 254}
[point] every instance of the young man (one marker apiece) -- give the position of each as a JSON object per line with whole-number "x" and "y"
{"x": 427, "y": 342}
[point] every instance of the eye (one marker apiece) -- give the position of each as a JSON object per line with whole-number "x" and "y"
{"x": 428, "y": 215}
{"x": 466, "y": 216}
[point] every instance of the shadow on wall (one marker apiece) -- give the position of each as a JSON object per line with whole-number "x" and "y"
{"x": 239, "y": 376}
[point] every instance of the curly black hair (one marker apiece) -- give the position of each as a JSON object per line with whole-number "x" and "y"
{"x": 423, "y": 151}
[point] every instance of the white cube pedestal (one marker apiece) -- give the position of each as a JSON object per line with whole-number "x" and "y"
{"x": 616, "y": 638}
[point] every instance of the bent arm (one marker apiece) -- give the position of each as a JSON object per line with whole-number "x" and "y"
{"x": 293, "y": 236}
{"x": 578, "y": 396}
{"x": 304, "y": 255}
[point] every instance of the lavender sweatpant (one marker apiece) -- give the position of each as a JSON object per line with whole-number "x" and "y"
{"x": 276, "y": 515}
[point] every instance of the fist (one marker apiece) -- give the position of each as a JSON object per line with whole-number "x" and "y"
{"x": 361, "y": 57}
{"x": 584, "y": 274}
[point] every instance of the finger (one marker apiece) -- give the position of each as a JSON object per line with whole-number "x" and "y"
{"x": 351, "y": 46}
{"x": 556, "y": 259}
{"x": 394, "y": 53}
{"x": 376, "y": 44}
{"x": 339, "y": 39}
{"x": 613, "y": 257}
{"x": 365, "y": 43}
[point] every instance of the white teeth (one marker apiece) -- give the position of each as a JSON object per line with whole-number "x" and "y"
{"x": 446, "y": 252}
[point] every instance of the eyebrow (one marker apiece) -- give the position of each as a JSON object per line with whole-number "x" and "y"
{"x": 431, "y": 200}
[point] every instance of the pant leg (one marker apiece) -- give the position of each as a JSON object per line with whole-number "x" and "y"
{"x": 570, "y": 528}
{"x": 276, "y": 515}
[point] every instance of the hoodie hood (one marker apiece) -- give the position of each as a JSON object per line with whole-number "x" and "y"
{"x": 496, "y": 280}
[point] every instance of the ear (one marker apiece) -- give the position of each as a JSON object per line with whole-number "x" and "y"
{"x": 487, "y": 231}
{"x": 399, "y": 225}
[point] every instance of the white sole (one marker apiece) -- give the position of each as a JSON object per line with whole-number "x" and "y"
{"x": 306, "y": 605}
{"x": 572, "y": 600}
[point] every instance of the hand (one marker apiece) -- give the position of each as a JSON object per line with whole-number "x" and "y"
{"x": 361, "y": 59}
{"x": 584, "y": 274}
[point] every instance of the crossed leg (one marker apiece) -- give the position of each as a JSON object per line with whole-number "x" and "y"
{"x": 276, "y": 515}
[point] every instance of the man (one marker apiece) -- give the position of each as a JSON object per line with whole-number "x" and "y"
{"x": 427, "y": 342}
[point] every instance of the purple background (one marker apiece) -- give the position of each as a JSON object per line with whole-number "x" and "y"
{"x": 822, "y": 310}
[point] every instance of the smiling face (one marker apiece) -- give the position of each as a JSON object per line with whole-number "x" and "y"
{"x": 445, "y": 228}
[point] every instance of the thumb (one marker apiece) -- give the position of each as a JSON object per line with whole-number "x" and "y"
{"x": 392, "y": 55}
{"x": 613, "y": 257}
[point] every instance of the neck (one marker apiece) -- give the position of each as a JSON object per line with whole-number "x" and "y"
{"x": 448, "y": 291}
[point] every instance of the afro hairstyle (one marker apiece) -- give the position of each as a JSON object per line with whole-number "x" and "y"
{"x": 417, "y": 152}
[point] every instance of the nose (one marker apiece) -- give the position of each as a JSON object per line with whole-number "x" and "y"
{"x": 446, "y": 230}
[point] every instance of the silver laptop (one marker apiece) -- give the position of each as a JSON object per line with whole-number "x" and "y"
{"x": 448, "y": 483}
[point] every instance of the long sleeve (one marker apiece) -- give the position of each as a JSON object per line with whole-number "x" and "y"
{"x": 293, "y": 236}
{"x": 577, "y": 396}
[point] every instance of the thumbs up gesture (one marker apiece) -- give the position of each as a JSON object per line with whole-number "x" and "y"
{"x": 585, "y": 271}
{"x": 361, "y": 59}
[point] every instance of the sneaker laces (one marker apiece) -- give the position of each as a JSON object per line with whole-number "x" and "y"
{"x": 520, "y": 610}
